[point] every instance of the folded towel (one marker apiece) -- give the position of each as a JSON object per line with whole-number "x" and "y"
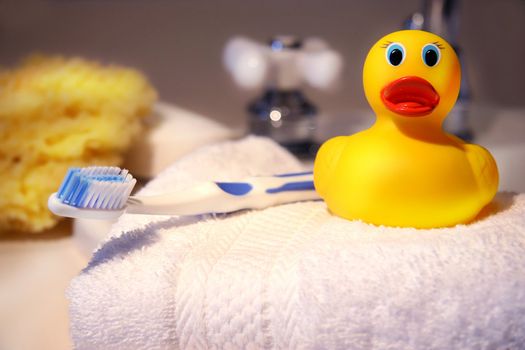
{"x": 296, "y": 277}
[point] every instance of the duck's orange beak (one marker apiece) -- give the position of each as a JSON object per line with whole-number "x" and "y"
{"x": 410, "y": 96}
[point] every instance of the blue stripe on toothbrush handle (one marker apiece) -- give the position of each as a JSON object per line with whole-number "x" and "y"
{"x": 235, "y": 188}
{"x": 293, "y": 186}
{"x": 295, "y": 174}
{"x": 243, "y": 188}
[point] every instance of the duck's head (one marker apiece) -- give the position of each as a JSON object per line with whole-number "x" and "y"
{"x": 411, "y": 76}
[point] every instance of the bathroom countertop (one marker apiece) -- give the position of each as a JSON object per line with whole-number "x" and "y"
{"x": 35, "y": 271}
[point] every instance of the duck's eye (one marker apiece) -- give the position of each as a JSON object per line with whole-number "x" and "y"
{"x": 395, "y": 54}
{"x": 431, "y": 55}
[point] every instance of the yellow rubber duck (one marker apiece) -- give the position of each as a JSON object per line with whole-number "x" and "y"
{"x": 405, "y": 170}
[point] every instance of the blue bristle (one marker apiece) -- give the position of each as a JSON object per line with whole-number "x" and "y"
{"x": 65, "y": 183}
{"x": 70, "y": 188}
{"x": 81, "y": 190}
{"x": 73, "y": 189}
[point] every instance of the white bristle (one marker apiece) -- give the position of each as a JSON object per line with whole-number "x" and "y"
{"x": 105, "y": 198}
{"x": 113, "y": 197}
{"x": 98, "y": 190}
{"x": 86, "y": 200}
{"x": 92, "y": 197}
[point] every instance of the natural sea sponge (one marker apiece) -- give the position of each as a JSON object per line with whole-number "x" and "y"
{"x": 56, "y": 113}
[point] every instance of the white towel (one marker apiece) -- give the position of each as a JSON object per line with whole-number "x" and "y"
{"x": 296, "y": 277}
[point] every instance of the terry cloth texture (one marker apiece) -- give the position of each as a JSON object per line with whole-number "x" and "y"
{"x": 296, "y": 277}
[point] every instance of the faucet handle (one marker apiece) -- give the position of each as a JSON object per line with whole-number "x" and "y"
{"x": 286, "y": 61}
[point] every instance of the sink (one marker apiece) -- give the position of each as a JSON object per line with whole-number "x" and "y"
{"x": 502, "y": 132}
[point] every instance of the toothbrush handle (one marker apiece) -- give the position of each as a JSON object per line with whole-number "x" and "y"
{"x": 224, "y": 197}
{"x": 261, "y": 192}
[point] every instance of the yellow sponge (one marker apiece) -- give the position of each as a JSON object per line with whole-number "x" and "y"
{"x": 56, "y": 113}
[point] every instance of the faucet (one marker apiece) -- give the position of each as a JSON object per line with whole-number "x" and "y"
{"x": 280, "y": 67}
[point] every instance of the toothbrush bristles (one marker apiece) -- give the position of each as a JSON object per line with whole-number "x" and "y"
{"x": 102, "y": 188}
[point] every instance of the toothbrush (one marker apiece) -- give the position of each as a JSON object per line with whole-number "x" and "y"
{"x": 104, "y": 193}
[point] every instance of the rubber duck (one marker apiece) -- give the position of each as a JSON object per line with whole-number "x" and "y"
{"x": 405, "y": 171}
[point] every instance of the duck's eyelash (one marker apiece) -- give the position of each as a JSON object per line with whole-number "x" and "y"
{"x": 439, "y": 45}
{"x": 385, "y": 44}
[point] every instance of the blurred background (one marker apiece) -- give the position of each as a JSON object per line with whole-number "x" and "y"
{"x": 178, "y": 45}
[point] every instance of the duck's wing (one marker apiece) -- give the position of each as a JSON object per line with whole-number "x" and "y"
{"x": 485, "y": 170}
{"x": 326, "y": 161}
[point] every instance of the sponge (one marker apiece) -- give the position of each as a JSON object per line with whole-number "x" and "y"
{"x": 56, "y": 113}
